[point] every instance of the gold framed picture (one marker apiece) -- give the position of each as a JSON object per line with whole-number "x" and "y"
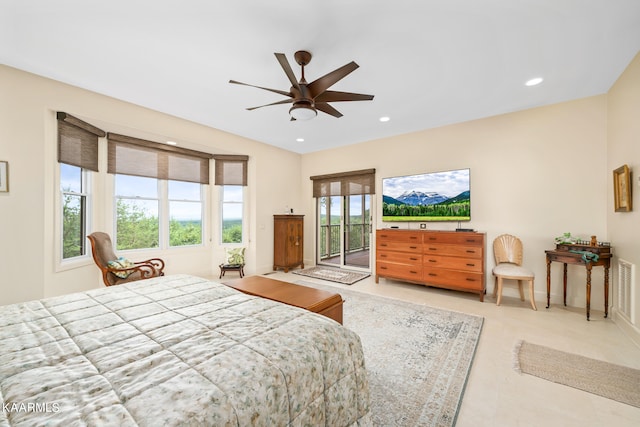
{"x": 622, "y": 189}
{"x": 4, "y": 176}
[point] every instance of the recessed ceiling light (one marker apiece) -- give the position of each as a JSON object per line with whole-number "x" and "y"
{"x": 384, "y": 119}
{"x": 300, "y": 139}
{"x": 172, "y": 143}
{"x": 534, "y": 82}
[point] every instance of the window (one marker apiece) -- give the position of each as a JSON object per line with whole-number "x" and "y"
{"x": 231, "y": 213}
{"x": 140, "y": 202}
{"x": 77, "y": 157}
{"x": 185, "y": 213}
{"x": 137, "y": 212}
{"x": 231, "y": 176}
{"x": 73, "y": 194}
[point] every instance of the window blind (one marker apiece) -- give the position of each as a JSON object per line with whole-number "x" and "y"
{"x": 139, "y": 157}
{"x": 231, "y": 169}
{"x": 78, "y": 142}
{"x": 345, "y": 183}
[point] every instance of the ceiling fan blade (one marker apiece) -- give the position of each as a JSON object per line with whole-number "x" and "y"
{"x": 284, "y": 101}
{"x": 281, "y": 92}
{"x": 326, "y": 108}
{"x": 333, "y": 96}
{"x": 323, "y": 83}
{"x": 282, "y": 59}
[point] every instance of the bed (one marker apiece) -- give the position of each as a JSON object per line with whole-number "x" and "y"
{"x": 177, "y": 350}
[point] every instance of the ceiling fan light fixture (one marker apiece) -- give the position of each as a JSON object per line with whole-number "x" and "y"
{"x": 303, "y": 111}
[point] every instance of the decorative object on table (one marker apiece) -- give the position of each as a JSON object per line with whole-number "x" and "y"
{"x": 507, "y": 250}
{"x": 4, "y": 177}
{"x": 622, "y": 189}
{"x": 566, "y": 238}
{"x": 605, "y": 379}
{"x": 332, "y": 274}
{"x": 436, "y": 348}
{"x": 118, "y": 270}
{"x": 233, "y": 261}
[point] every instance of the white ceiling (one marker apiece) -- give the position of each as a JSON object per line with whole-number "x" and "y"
{"x": 428, "y": 62}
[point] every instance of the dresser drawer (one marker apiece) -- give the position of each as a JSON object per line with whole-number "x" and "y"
{"x": 398, "y": 236}
{"x": 386, "y": 246}
{"x": 453, "y": 263}
{"x": 457, "y": 238}
{"x": 400, "y": 257}
{"x": 455, "y": 279}
{"x": 399, "y": 271}
{"x": 452, "y": 250}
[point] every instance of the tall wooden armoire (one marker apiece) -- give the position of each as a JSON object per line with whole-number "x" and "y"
{"x": 288, "y": 242}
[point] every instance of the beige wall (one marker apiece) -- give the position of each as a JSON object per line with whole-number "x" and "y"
{"x": 536, "y": 174}
{"x": 623, "y": 147}
{"x": 28, "y": 142}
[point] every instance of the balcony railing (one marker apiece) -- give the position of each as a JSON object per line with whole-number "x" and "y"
{"x": 357, "y": 239}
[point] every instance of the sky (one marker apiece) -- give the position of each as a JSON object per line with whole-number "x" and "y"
{"x": 448, "y": 183}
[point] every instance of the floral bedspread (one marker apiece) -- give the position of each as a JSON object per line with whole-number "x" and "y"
{"x": 177, "y": 350}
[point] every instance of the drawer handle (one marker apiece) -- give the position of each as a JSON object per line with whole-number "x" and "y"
{"x": 471, "y": 251}
{"x": 383, "y": 244}
{"x": 383, "y": 267}
{"x": 413, "y": 272}
{"x": 433, "y": 249}
{"x": 471, "y": 240}
{"x": 433, "y": 274}
{"x": 383, "y": 255}
{"x": 432, "y": 260}
{"x": 468, "y": 279}
{"x": 413, "y": 237}
{"x": 432, "y": 238}
{"x": 413, "y": 247}
{"x": 413, "y": 259}
{"x": 384, "y": 235}
{"x": 470, "y": 264}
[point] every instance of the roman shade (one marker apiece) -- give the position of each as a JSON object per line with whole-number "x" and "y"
{"x": 230, "y": 169}
{"x": 139, "y": 157}
{"x": 344, "y": 183}
{"x": 78, "y": 142}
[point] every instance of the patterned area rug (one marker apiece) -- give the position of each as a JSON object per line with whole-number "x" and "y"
{"x": 418, "y": 357}
{"x": 332, "y": 274}
{"x": 605, "y": 379}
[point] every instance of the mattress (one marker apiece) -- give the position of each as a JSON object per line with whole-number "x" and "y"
{"x": 177, "y": 350}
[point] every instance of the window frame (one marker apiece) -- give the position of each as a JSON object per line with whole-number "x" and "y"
{"x": 164, "y": 218}
{"x": 221, "y": 203}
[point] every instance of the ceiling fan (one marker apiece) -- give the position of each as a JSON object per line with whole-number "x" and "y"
{"x": 308, "y": 98}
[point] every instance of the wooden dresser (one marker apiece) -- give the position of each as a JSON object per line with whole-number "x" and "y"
{"x": 444, "y": 259}
{"x": 288, "y": 242}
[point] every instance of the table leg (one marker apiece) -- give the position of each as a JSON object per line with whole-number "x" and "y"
{"x": 588, "y": 288}
{"x": 606, "y": 290}
{"x": 548, "y": 279}
{"x": 564, "y": 282}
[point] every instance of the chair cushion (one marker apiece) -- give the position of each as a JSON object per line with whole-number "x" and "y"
{"x": 511, "y": 270}
{"x": 121, "y": 263}
{"x": 234, "y": 256}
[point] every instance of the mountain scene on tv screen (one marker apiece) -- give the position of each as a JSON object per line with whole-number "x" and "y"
{"x": 435, "y": 196}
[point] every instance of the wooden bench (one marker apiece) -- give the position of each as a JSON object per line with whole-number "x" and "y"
{"x": 318, "y": 301}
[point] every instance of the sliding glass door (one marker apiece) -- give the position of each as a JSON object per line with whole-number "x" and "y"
{"x": 344, "y": 231}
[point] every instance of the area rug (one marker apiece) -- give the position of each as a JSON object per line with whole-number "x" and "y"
{"x": 417, "y": 357}
{"x": 332, "y": 274}
{"x": 605, "y": 379}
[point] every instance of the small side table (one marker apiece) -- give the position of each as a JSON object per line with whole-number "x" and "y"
{"x": 231, "y": 267}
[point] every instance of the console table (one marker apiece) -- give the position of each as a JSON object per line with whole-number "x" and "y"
{"x": 563, "y": 253}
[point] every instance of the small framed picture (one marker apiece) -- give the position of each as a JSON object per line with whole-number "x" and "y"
{"x": 622, "y": 189}
{"x": 4, "y": 176}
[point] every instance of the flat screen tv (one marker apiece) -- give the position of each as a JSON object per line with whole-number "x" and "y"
{"x": 435, "y": 196}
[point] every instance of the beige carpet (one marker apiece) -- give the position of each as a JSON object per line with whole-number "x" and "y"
{"x": 605, "y": 379}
